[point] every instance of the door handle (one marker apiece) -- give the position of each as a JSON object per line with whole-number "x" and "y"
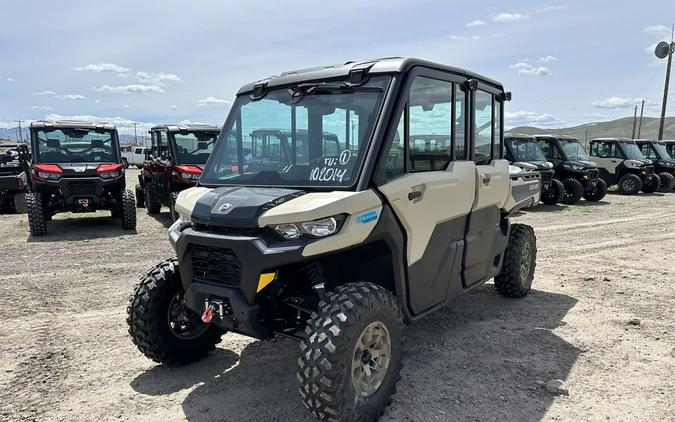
{"x": 486, "y": 178}
{"x": 415, "y": 195}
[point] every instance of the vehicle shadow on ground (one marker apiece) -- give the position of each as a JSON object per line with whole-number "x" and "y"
{"x": 584, "y": 203}
{"x": 486, "y": 357}
{"x": 656, "y": 194}
{"x": 546, "y": 208}
{"x": 163, "y": 218}
{"x": 82, "y": 228}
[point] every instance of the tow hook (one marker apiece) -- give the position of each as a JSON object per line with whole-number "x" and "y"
{"x": 212, "y": 307}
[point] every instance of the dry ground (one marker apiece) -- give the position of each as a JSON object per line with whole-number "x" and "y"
{"x": 65, "y": 353}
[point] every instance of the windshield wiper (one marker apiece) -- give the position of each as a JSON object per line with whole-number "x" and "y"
{"x": 314, "y": 88}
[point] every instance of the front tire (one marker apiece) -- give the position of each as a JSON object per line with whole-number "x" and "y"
{"x": 653, "y": 185}
{"x": 520, "y": 260}
{"x": 574, "y": 190}
{"x": 597, "y": 192}
{"x": 140, "y": 196}
{"x": 630, "y": 184}
{"x": 351, "y": 357}
{"x": 128, "y": 210}
{"x": 37, "y": 220}
{"x": 19, "y": 201}
{"x": 152, "y": 204}
{"x": 667, "y": 182}
{"x": 160, "y": 324}
{"x": 554, "y": 194}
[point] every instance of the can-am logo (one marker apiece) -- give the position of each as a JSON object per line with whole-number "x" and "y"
{"x": 225, "y": 207}
{"x": 79, "y": 169}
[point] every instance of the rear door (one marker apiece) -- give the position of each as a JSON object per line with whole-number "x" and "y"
{"x": 486, "y": 235}
{"x": 430, "y": 186}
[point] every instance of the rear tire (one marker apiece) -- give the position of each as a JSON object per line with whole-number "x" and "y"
{"x": 597, "y": 193}
{"x": 149, "y": 315}
{"x": 140, "y": 196}
{"x": 574, "y": 190}
{"x": 653, "y": 185}
{"x": 667, "y": 182}
{"x": 151, "y": 203}
{"x": 37, "y": 220}
{"x": 357, "y": 328}
{"x": 20, "y": 203}
{"x": 520, "y": 260}
{"x": 128, "y": 210}
{"x": 630, "y": 184}
{"x": 554, "y": 194}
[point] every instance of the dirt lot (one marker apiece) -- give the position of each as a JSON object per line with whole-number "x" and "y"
{"x": 65, "y": 353}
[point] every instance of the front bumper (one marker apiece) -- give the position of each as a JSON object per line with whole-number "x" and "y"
{"x": 227, "y": 268}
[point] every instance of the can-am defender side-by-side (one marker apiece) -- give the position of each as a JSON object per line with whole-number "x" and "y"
{"x": 174, "y": 163}
{"x": 621, "y": 163}
{"x": 14, "y": 164}
{"x": 76, "y": 167}
{"x": 663, "y": 162}
{"x": 523, "y": 151}
{"x": 337, "y": 249}
{"x": 573, "y": 167}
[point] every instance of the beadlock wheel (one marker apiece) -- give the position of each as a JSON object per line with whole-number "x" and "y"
{"x": 371, "y": 359}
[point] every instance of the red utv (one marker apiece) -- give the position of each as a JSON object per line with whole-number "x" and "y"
{"x": 174, "y": 162}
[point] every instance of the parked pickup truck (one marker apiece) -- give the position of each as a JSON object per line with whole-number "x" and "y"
{"x": 133, "y": 156}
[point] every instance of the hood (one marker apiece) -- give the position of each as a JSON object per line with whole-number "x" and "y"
{"x": 583, "y": 163}
{"x": 534, "y": 165}
{"x": 238, "y": 206}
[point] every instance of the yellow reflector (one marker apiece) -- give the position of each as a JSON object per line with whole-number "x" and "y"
{"x": 264, "y": 280}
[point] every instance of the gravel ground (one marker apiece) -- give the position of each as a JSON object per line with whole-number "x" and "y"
{"x": 600, "y": 317}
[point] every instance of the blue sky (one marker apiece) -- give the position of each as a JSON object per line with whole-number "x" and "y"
{"x": 566, "y": 62}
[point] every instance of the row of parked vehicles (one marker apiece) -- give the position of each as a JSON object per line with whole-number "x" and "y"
{"x": 345, "y": 220}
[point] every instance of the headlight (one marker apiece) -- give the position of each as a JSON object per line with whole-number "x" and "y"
{"x": 320, "y": 228}
{"x": 577, "y": 168}
{"x": 288, "y": 231}
{"x": 633, "y": 164}
{"x": 189, "y": 176}
{"x": 184, "y": 219}
{"x": 50, "y": 176}
{"x": 110, "y": 174}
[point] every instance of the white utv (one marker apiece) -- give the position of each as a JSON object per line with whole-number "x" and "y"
{"x": 287, "y": 236}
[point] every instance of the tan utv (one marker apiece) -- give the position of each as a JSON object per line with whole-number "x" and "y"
{"x": 339, "y": 245}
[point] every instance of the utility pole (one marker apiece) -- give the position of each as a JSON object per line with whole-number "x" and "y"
{"x": 671, "y": 47}
{"x": 135, "y": 135}
{"x": 20, "y": 131}
{"x": 642, "y": 109}
{"x": 634, "y": 122}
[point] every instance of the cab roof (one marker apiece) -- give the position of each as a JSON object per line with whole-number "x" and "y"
{"x": 81, "y": 124}
{"x": 549, "y": 136}
{"x": 180, "y": 127}
{"x": 387, "y": 65}
{"x": 519, "y": 136}
{"x": 612, "y": 140}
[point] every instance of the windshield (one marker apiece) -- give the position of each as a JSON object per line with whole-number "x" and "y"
{"x": 313, "y": 138}
{"x": 661, "y": 150}
{"x": 194, "y": 147}
{"x": 573, "y": 150}
{"x": 632, "y": 151}
{"x": 73, "y": 145}
{"x": 526, "y": 150}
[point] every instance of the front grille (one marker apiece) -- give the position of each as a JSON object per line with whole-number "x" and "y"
{"x": 216, "y": 265}
{"x": 81, "y": 189}
{"x": 230, "y": 231}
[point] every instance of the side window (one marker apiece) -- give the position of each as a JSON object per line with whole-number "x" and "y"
{"x": 648, "y": 151}
{"x": 498, "y": 153}
{"x": 547, "y": 148}
{"x": 458, "y": 135}
{"x": 605, "y": 150}
{"x": 154, "y": 150}
{"x": 394, "y": 165}
{"x": 430, "y": 118}
{"x": 163, "y": 144}
{"x": 483, "y": 123}
{"x": 594, "y": 149}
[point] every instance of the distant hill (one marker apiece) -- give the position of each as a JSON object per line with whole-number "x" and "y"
{"x": 616, "y": 128}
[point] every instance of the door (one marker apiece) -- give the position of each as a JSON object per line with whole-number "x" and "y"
{"x": 162, "y": 165}
{"x": 607, "y": 156}
{"x": 486, "y": 234}
{"x": 429, "y": 189}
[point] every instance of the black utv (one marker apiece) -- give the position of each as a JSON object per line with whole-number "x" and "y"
{"x": 524, "y": 151}
{"x": 621, "y": 163}
{"x": 173, "y": 163}
{"x": 14, "y": 159}
{"x": 76, "y": 167}
{"x": 337, "y": 244}
{"x": 663, "y": 162}
{"x": 573, "y": 167}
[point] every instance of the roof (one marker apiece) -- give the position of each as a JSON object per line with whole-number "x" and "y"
{"x": 72, "y": 124}
{"x": 549, "y": 136}
{"x": 386, "y": 65}
{"x": 179, "y": 127}
{"x": 612, "y": 139}
{"x": 519, "y": 136}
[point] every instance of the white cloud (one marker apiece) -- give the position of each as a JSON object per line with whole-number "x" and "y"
{"x": 124, "y": 125}
{"x": 103, "y": 67}
{"x": 125, "y": 106}
{"x": 45, "y": 93}
{"x": 70, "y": 97}
{"x": 457, "y": 38}
{"x": 530, "y": 118}
{"x": 656, "y": 30}
{"x": 510, "y": 17}
{"x": 475, "y": 23}
{"x": 211, "y": 100}
{"x": 174, "y": 107}
{"x": 620, "y": 102}
{"x": 550, "y": 9}
{"x": 475, "y": 37}
{"x": 529, "y": 70}
{"x": 43, "y": 108}
{"x": 547, "y": 59}
{"x": 131, "y": 89}
{"x": 158, "y": 78}
{"x": 11, "y": 80}
{"x": 520, "y": 65}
